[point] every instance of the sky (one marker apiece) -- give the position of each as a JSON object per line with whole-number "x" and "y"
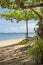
{"x": 7, "y": 26}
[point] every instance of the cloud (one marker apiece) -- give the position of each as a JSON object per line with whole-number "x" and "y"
{"x": 31, "y": 27}
{"x": 22, "y": 28}
{"x": 18, "y": 29}
{"x": 7, "y": 26}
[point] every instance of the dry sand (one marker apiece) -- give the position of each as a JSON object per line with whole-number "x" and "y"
{"x": 10, "y": 42}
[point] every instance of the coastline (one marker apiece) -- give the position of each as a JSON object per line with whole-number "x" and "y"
{"x": 4, "y": 43}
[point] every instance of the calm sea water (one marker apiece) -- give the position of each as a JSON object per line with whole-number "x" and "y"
{"x": 7, "y": 36}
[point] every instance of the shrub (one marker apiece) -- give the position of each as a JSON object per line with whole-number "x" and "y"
{"x": 36, "y": 50}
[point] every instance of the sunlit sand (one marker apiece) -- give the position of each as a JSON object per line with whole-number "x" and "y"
{"x": 10, "y": 42}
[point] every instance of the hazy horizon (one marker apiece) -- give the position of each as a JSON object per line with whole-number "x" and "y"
{"x": 16, "y": 32}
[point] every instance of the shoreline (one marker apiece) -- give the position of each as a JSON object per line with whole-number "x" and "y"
{"x": 4, "y": 43}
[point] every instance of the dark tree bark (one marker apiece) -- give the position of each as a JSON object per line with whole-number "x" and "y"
{"x": 40, "y": 29}
{"x": 42, "y": 58}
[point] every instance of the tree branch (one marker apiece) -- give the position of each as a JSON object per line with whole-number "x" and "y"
{"x": 36, "y": 13}
{"x": 33, "y": 6}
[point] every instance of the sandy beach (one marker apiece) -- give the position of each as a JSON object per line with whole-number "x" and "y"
{"x": 10, "y": 42}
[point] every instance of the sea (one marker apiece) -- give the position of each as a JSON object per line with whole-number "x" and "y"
{"x": 9, "y": 36}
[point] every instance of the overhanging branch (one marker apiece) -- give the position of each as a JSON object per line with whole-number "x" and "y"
{"x": 36, "y": 13}
{"x": 33, "y": 6}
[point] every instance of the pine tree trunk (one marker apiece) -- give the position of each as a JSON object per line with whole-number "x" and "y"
{"x": 27, "y": 30}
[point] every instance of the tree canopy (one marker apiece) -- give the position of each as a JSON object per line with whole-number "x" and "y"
{"x": 15, "y": 4}
{"x": 23, "y": 4}
{"x": 21, "y": 15}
